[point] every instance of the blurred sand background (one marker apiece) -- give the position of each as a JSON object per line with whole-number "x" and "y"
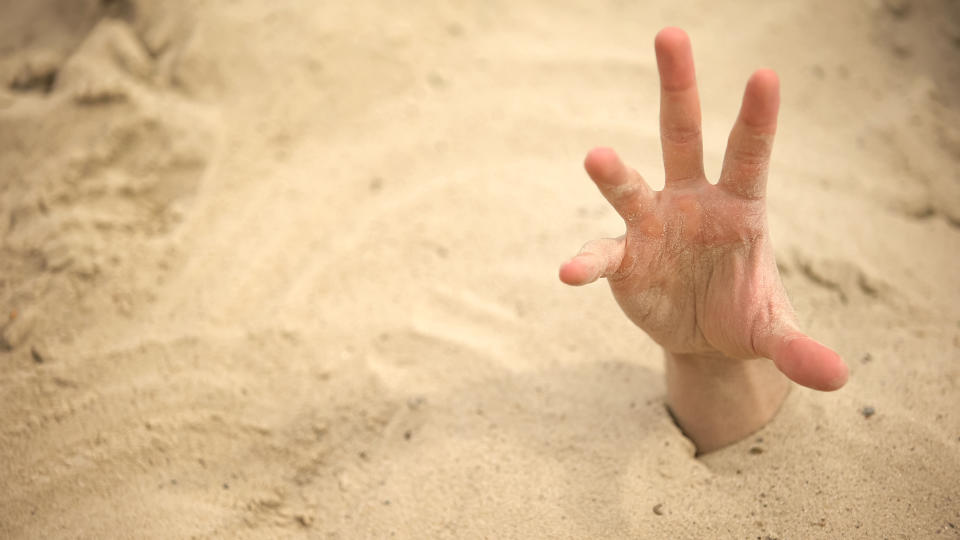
{"x": 288, "y": 270}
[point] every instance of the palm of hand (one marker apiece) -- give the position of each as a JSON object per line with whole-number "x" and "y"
{"x": 698, "y": 273}
{"x": 695, "y": 269}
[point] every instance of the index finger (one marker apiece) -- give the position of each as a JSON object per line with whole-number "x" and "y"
{"x": 679, "y": 107}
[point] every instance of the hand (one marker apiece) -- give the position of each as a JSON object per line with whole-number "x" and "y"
{"x": 695, "y": 269}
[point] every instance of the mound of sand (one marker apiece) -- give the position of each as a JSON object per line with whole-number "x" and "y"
{"x": 289, "y": 271}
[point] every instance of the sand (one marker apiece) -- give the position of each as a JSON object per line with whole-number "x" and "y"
{"x": 288, "y": 270}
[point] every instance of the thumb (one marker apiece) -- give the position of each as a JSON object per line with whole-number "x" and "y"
{"x": 597, "y": 259}
{"x": 805, "y": 361}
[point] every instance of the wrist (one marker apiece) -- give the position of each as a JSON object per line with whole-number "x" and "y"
{"x": 718, "y": 401}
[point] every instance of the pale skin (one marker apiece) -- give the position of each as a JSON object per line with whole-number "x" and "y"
{"x": 695, "y": 269}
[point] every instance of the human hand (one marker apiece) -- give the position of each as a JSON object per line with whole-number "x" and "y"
{"x": 695, "y": 268}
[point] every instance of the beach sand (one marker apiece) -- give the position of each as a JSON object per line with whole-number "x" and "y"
{"x": 288, "y": 270}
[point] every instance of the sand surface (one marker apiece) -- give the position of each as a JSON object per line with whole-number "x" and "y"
{"x": 288, "y": 270}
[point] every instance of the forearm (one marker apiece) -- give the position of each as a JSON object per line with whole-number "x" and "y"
{"x": 718, "y": 401}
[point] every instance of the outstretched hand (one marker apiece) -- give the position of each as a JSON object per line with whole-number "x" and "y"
{"x": 695, "y": 268}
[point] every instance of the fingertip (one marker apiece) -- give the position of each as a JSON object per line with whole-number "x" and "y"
{"x": 670, "y": 37}
{"x": 674, "y": 59}
{"x": 604, "y": 165}
{"x": 840, "y": 380}
{"x": 838, "y": 375}
{"x": 566, "y": 274}
{"x": 811, "y": 364}
{"x": 599, "y": 155}
{"x": 576, "y": 272}
{"x": 765, "y": 77}
{"x": 827, "y": 371}
{"x": 761, "y": 100}
{"x": 764, "y": 87}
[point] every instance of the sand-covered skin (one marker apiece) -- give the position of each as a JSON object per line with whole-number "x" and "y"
{"x": 289, "y": 270}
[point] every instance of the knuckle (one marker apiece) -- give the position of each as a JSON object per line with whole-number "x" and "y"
{"x": 754, "y": 157}
{"x": 623, "y": 271}
{"x": 682, "y": 135}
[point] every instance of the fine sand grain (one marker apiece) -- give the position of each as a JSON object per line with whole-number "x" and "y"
{"x": 288, "y": 269}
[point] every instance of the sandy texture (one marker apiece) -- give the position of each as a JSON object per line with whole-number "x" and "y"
{"x": 288, "y": 269}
